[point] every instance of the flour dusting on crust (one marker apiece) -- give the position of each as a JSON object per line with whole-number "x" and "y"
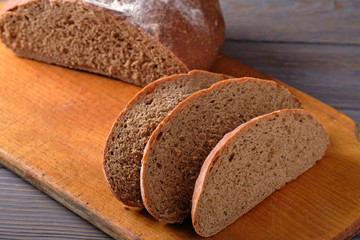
{"x": 139, "y": 12}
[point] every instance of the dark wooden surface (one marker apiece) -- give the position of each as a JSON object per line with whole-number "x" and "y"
{"x": 313, "y": 46}
{"x": 301, "y": 21}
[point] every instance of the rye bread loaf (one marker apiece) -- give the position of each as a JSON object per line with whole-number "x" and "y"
{"x": 136, "y": 41}
{"x": 251, "y": 162}
{"x": 179, "y": 145}
{"x": 133, "y": 127}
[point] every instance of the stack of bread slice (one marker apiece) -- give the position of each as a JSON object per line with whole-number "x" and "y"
{"x": 209, "y": 145}
{"x": 134, "y": 126}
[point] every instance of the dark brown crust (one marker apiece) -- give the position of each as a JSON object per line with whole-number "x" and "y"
{"x": 145, "y": 91}
{"x": 195, "y": 50}
{"x": 177, "y": 110}
{"x": 220, "y": 146}
{"x": 123, "y": 200}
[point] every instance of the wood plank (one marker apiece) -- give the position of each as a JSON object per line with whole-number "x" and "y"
{"x": 271, "y": 63}
{"x": 327, "y": 72}
{"x": 77, "y": 105}
{"x": 22, "y": 205}
{"x": 321, "y": 21}
{"x": 27, "y": 213}
{"x": 54, "y": 122}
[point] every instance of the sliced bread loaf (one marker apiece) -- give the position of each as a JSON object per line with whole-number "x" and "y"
{"x": 136, "y": 41}
{"x": 251, "y": 162}
{"x": 133, "y": 127}
{"x": 179, "y": 145}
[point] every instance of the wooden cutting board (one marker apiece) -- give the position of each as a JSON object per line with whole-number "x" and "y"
{"x": 53, "y": 126}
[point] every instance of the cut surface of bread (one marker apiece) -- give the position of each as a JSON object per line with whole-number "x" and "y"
{"x": 133, "y": 40}
{"x": 177, "y": 148}
{"x": 133, "y": 127}
{"x": 251, "y": 162}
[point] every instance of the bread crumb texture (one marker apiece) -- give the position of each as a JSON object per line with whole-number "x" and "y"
{"x": 84, "y": 36}
{"x": 178, "y": 147}
{"x": 132, "y": 129}
{"x": 252, "y": 162}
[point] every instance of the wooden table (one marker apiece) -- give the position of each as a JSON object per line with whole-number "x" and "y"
{"x": 314, "y": 47}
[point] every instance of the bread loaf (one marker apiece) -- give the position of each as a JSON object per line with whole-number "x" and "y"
{"x": 136, "y": 41}
{"x": 133, "y": 127}
{"x": 251, "y": 162}
{"x": 179, "y": 145}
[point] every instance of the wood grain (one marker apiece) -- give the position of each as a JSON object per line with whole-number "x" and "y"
{"x": 19, "y": 195}
{"x": 54, "y": 122}
{"x": 260, "y": 55}
{"x": 321, "y": 21}
{"x": 26, "y": 212}
{"x": 337, "y": 63}
{"x": 326, "y": 72}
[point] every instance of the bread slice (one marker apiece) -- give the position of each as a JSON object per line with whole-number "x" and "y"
{"x": 136, "y": 41}
{"x": 133, "y": 127}
{"x": 251, "y": 162}
{"x": 179, "y": 145}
